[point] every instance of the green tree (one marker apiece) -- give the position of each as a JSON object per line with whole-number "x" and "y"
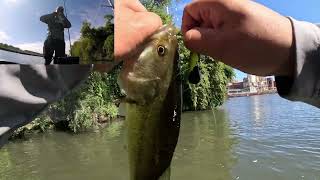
{"x": 95, "y": 43}
{"x": 90, "y": 105}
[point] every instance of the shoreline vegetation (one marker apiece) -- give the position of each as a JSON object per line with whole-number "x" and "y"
{"x": 94, "y": 104}
{"x": 96, "y": 43}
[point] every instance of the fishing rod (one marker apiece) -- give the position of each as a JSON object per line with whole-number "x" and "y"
{"x": 65, "y": 10}
{"x": 111, "y": 5}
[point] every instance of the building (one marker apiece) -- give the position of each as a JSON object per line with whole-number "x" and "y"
{"x": 255, "y": 84}
{"x": 235, "y": 87}
{"x": 252, "y": 85}
{"x": 271, "y": 84}
{"x": 249, "y": 84}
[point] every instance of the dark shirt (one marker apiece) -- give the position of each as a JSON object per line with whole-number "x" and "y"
{"x": 56, "y": 25}
{"x": 305, "y": 84}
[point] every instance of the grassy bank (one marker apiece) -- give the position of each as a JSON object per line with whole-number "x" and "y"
{"x": 88, "y": 108}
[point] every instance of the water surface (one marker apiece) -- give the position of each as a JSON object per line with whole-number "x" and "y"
{"x": 20, "y": 58}
{"x": 250, "y": 138}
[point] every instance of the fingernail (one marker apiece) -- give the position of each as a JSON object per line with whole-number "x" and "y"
{"x": 189, "y": 35}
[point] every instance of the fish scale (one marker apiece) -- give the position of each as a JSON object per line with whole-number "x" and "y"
{"x": 153, "y": 118}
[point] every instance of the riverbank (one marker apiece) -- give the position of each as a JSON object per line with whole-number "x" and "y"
{"x": 243, "y": 94}
{"x": 38, "y": 126}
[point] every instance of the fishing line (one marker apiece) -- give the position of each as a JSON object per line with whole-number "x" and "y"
{"x": 111, "y": 5}
{"x": 183, "y": 73}
{"x": 213, "y": 113}
{"x": 65, "y": 11}
{"x": 97, "y": 12}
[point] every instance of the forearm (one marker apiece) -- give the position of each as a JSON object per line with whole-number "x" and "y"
{"x": 45, "y": 18}
{"x": 66, "y": 23}
{"x": 304, "y": 85}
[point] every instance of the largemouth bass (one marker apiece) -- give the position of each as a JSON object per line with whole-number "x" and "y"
{"x": 153, "y": 95}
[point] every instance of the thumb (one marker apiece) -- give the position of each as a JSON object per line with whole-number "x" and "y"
{"x": 207, "y": 41}
{"x": 147, "y": 23}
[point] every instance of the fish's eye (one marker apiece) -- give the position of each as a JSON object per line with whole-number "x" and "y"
{"x": 161, "y": 50}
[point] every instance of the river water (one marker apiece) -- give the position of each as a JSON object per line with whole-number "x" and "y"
{"x": 20, "y": 58}
{"x": 260, "y": 137}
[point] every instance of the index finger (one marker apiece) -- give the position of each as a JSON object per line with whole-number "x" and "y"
{"x": 134, "y": 5}
{"x": 189, "y": 21}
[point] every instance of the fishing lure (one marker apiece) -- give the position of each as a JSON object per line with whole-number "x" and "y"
{"x": 194, "y": 74}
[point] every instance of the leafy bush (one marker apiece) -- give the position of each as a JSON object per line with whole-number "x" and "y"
{"x": 95, "y": 43}
{"x": 89, "y": 105}
{"x": 41, "y": 124}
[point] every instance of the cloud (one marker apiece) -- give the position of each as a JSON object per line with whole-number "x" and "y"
{"x": 12, "y": 2}
{"x": 94, "y": 15}
{"x": 4, "y": 37}
{"x": 34, "y": 46}
{"x": 38, "y": 46}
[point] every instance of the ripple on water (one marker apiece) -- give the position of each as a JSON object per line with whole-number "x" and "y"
{"x": 282, "y": 137}
{"x": 282, "y": 145}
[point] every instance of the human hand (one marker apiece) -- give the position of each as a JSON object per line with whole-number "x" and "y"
{"x": 133, "y": 24}
{"x": 61, "y": 18}
{"x": 242, "y": 34}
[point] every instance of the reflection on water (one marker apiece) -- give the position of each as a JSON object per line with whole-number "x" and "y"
{"x": 256, "y": 110}
{"x": 283, "y": 144}
{"x": 261, "y": 137}
{"x": 62, "y": 156}
{"x": 205, "y": 144}
{"x": 103, "y": 155}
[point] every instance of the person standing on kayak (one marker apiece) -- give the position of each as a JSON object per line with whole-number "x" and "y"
{"x": 55, "y": 43}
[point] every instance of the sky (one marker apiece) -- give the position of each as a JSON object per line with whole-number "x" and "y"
{"x": 308, "y": 10}
{"x": 20, "y": 23}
